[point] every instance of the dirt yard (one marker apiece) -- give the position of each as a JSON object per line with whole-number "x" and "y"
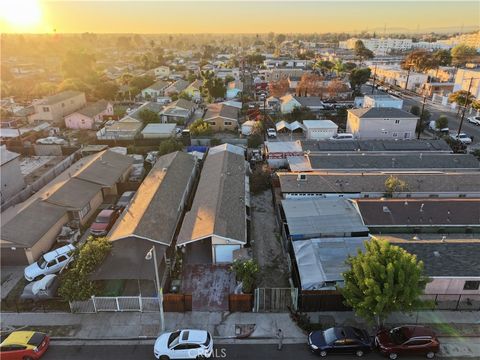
{"x": 266, "y": 244}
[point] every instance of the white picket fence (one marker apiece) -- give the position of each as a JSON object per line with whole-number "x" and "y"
{"x": 115, "y": 303}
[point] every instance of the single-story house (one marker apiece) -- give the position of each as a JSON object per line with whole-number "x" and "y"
{"x": 217, "y": 222}
{"x": 382, "y": 101}
{"x": 290, "y": 102}
{"x": 194, "y": 90}
{"x": 221, "y": 117}
{"x": 177, "y": 87}
{"x": 155, "y": 90}
{"x": 89, "y": 116}
{"x": 234, "y": 88}
{"x": 31, "y": 233}
{"x": 277, "y": 152}
{"x": 248, "y": 126}
{"x": 151, "y": 220}
{"x": 124, "y": 129}
{"x": 158, "y": 131}
{"x": 179, "y": 111}
{"x": 320, "y": 129}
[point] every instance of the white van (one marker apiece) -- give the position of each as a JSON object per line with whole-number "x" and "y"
{"x": 342, "y": 136}
{"x": 50, "y": 263}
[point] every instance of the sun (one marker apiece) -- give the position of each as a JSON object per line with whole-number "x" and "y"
{"x": 21, "y": 14}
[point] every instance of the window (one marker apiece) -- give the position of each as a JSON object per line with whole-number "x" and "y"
{"x": 462, "y": 195}
{"x": 418, "y": 342}
{"x": 433, "y": 195}
{"x": 397, "y": 121}
{"x": 394, "y": 134}
{"x": 62, "y": 258}
{"x": 84, "y": 211}
{"x": 52, "y": 263}
{"x": 46, "y": 109}
{"x": 212, "y": 123}
{"x": 227, "y": 123}
{"x": 366, "y": 196}
{"x": 181, "y": 347}
{"x": 471, "y": 285}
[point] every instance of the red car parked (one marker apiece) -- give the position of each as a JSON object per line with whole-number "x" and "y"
{"x": 104, "y": 222}
{"x": 407, "y": 340}
{"x": 24, "y": 345}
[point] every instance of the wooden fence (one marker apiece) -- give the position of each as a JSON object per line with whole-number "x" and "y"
{"x": 177, "y": 302}
{"x": 240, "y": 302}
{"x": 326, "y": 300}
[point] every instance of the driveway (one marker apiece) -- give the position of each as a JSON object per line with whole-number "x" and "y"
{"x": 209, "y": 285}
{"x": 11, "y": 275}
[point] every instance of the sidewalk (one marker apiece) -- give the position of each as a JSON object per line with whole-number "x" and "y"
{"x": 459, "y": 331}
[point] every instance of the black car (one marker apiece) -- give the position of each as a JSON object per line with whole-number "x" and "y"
{"x": 340, "y": 340}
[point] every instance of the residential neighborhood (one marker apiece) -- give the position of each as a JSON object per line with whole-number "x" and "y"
{"x": 239, "y": 180}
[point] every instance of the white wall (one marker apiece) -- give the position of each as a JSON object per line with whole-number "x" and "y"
{"x": 450, "y": 286}
{"x": 320, "y": 133}
{"x": 11, "y": 179}
{"x": 381, "y": 128}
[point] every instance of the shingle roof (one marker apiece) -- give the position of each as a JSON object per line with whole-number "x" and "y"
{"x": 375, "y": 182}
{"x": 152, "y": 106}
{"x": 309, "y": 100}
{"x": 158, "y": 85}
{"x": 93, "y": 109}
{"x": 420, "y": 212}
{"x": 28, "y": 226}
{"x": 394, "y": 161}
{"x": 225, "y": 111}
{"x": 184, "y": 104}
{"x": 179, "y": 85}
{"x": 106, "y": 168}
{"x": 219, "y": 204}
{"x": 384, "y": 112}
{"x": 446, "y": 259}
{"x": 64, "y": 95}
{"x": 7, "y": 155}
{"x": 154, "y": 211}
{"x": 74, "y": 194}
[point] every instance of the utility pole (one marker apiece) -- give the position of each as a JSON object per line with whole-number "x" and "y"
{"x": 374, "y": 74}
{"x": 421, "y": 113}
{"x": 465, "y": 107}
{"x": 408, "y": 75}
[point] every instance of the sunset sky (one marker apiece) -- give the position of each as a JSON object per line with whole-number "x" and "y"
{"x": 67, "y": 16}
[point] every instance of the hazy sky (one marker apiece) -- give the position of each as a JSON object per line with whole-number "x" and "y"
{"x": 67, "y": 16}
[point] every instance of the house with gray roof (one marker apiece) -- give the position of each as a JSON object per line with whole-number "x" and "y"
{"x": 381, "y": 123}
{"x": 177, "y": 87}
{"x": 12, "y": 180}
{"x": 179, "y": 111}
{"x": 151, "y": 219}
{"x": 90, "y": 116}
{"x": 216, "y": 224}
{"x": 155, "y": 90}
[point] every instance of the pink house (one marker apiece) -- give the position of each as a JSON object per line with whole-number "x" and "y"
{"x": 89, "y": 116}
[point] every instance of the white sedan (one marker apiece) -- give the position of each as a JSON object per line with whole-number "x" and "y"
{"x": 474, "y": 120}
{"x": 462, "y": 137}
{"x": 184, "y": 344}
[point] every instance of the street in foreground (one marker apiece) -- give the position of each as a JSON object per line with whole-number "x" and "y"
{"x": 237, "y": 351}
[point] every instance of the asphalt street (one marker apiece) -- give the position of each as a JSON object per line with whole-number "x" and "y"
{"x": 436, "y": 110}
{"x": 237, "y": 351}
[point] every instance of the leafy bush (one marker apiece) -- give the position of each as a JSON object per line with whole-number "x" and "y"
{"x": 254, "y": 141}
{"x": 259, "y": 180}
{"x": 215, "y": 142}
{"x": 246, "y": 271}
{"x": 75, "y": 283}
{"x": 168, "y": 146}
{"x": 200, "y": 127}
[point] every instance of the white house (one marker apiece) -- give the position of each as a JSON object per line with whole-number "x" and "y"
{"x": 290, "y": 102}
{"x": 320, "y": 129}
{"x": 155, "y": 90}
{"x": 158, "y": 131}
{"x": 381, "y": 123}
{"x": 462, "y": 81}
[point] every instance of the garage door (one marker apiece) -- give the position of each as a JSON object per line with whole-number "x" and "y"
{"x": 11, "y": 257}
{"x": 224, "y": 253}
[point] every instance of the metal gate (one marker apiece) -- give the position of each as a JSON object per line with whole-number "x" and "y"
{"x": 275, "y": 299}
{"x": 115, "y": 303}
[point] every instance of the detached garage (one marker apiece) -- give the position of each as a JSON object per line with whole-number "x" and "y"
{"x": 320, "y": 129}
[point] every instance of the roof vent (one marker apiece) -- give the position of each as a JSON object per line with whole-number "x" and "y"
{"x": 165, "y": 169}
{"x": 421, "y": 207}
{"x": 405, "y": 203}
{"x": 436, "y": 254}
{"x": 302, "y": 177}
{"x": 386, "y": 210}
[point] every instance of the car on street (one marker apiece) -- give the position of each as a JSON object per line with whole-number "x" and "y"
{"x": 407, "y": 340}
{"x": 475, "y": 120}
{"x": 462, "y": 137}
{"x": 43, "y": 289}
{"x": 104, "y": 222}
{"x": 340, "y": 340}
{"x": 271, "y": 133}
{"x": 125, "y": 199}
{"x": 50, "y": 263}
{"x": 184, "y": 344}
{"x": 24, "y": 345}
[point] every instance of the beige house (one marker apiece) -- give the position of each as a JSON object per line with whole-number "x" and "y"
{"x": 54, "y": 108}
{"x": 221, "y": 117}
{"x": 381, "y": 123}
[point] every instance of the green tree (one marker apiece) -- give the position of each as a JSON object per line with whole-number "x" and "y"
{"x": 419, "y": 60}
{"x": 462, "y": 54}
{"x": 254, "y": 141}
{"x": 200, "y": 128}
{"x": 168, "y": 146}
{"x": 442, "y": 57}
{"x": 461, "y": 97}
{"x": 75, "y": 282}
{"x": 358, "y": 77}
{"x": 393, "y": 185}
{"x": 106, "y": 90}
{"x": 148, "y": 116}
{"x": 184, "y": 95}
{"x": 79, "y": 64}
{"x": 361, "y": 52}
{"x": 415, "y": 110}
{"x": 441, "y": 122}
{"x": 246, "y": 271}
{"x": 383, "y": 279}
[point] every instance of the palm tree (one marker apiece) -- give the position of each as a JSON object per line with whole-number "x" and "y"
{"x": 462, "y": 98}
{"x": 339, "y": 67}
